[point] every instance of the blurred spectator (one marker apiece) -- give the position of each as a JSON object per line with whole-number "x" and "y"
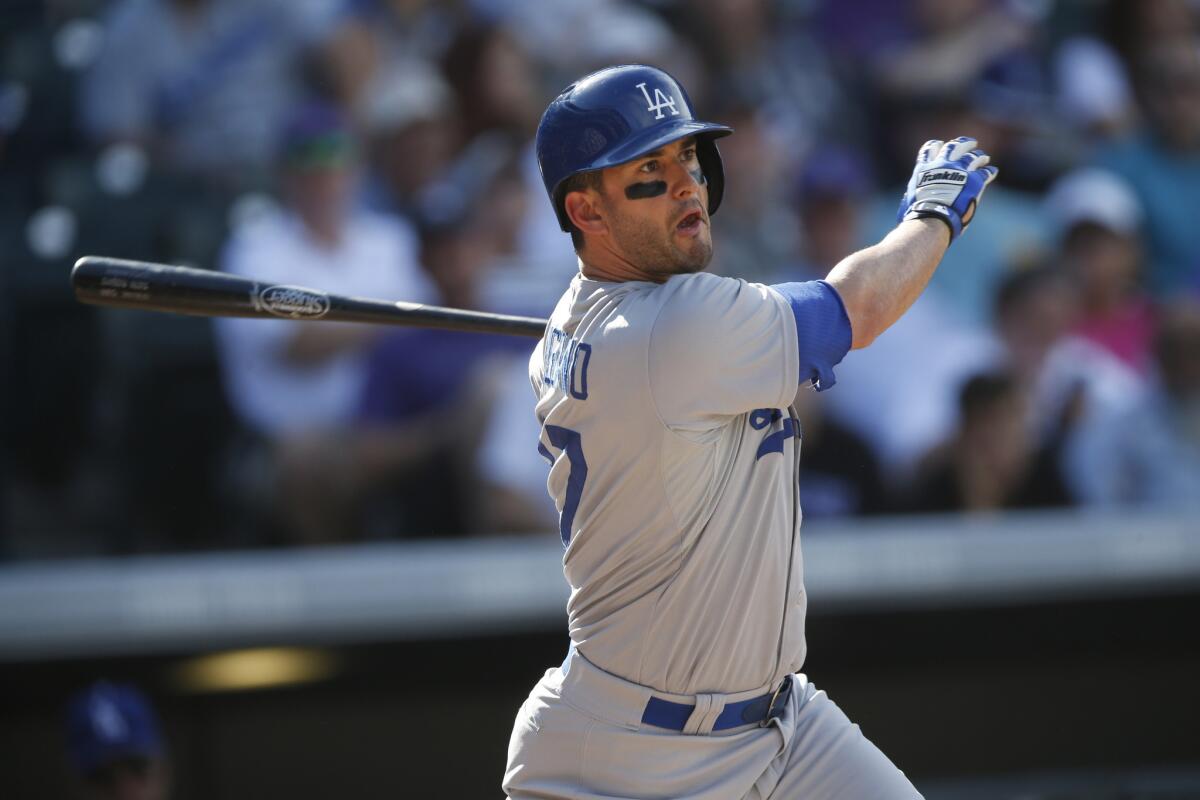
{"x": 992, "y": 461}
{"x": 762, "y": 54}
{"x": 376, "y": 38}
{"x": 1149, "y": 454}
{"x": 950, "y": 43}
{"x": 900, "y": 393}
{"x": 1162, "y": 164}
{"x": 297, "y": 385}
{"x": 570, "y": 38}
{"x": 1077, "y": 386}
{"x": 512, "y": 474}
{"x": 497, "y": 89}
{"x": 839, "y": 474}
{"x": 427, "y": 395}
{"x": 494, "y": 81}
{"x": 409, "y": 120}
{"x": 1134, "y": 27}
{"x": 1099, "y": 219}
{"x": 115, "y": 746}
{"x": 530, "y": 280}
{"x": 1014, "y": 97}
{"x": 1093, "y": 89}
{"x": 858, "y": 32}
{"x": 755, "y": 229}
{"x": 205, "y": 85}
{"x": 828, "y": 199}
{"x": 968, "y": 68}
{"x": 1094, "y": 71}
{"x": 1035, "y": 308}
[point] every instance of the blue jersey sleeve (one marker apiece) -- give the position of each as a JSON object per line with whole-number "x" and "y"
{"x": 823, "y": 332}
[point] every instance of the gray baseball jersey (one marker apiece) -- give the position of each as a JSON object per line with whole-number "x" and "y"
{"x": 665, "y": 415}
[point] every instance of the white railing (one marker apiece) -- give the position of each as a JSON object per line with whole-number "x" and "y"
{"x": 414, "y": 590}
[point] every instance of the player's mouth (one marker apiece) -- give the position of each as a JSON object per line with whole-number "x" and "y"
{"x": 691, "y": 223}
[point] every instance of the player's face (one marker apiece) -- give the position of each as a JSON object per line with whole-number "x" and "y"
{"x": 657, "y": 210}
{"x": 130, "y": 779}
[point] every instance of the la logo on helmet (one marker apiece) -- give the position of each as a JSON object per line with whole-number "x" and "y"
{"x": 659, "y": 102}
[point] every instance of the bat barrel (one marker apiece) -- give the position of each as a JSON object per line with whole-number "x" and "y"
{"x": 182, "y": 290}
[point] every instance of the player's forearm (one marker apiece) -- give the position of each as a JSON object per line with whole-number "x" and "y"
{"x": 879, "y": 283}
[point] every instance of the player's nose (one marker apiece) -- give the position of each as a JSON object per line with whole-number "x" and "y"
{"x": 685, "y": 181}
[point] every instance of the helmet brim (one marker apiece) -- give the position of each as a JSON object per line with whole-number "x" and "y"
{"x": 656, "y": 137}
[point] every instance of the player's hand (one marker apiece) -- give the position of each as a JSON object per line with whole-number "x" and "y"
{"x": 947, "y": 183}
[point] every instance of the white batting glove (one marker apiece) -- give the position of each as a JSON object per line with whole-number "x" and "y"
{"x": 947, "y": 182}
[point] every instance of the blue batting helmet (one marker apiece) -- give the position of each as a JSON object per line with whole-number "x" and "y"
{"x": 613, "y": 116}
{"x": 107, "y": 722}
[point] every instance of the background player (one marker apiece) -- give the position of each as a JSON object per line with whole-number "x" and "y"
{"x": 115, "y": 744}
{"x": 664, "y": 397}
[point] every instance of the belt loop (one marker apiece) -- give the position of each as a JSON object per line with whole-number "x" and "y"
{"x": 704, "y": 715}
{"x": 699, "y": 712}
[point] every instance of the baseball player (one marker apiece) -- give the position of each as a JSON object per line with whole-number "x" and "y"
{"x": 664, "y": 397}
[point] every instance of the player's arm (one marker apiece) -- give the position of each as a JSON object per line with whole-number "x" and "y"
{"x": 878, "y": 284}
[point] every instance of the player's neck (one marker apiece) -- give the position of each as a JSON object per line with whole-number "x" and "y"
{"x": 598, "y": 263}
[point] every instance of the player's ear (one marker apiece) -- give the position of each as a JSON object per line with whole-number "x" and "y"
{"x": 584, "y": 211}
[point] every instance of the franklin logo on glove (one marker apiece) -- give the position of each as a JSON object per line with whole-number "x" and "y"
{"x": 943, "y": 177}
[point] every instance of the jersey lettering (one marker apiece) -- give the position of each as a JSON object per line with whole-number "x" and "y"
{"x": 565, "y": 364}
{"x": 659, "y": 102}
{"x": 773, "y": 442}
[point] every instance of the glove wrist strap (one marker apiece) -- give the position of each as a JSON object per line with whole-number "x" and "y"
{"x": 928, "y": 208}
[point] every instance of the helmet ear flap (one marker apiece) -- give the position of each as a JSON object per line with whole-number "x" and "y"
{"x": 714, "y": 174}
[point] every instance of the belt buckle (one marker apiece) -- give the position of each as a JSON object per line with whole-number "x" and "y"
{"x": 778, "y": 701}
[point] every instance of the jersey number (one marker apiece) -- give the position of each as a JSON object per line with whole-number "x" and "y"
{"x": 773, "y": 443}
{"x": 568, "y": 441}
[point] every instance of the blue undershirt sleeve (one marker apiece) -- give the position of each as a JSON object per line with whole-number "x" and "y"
{"x": 823, "y": 333}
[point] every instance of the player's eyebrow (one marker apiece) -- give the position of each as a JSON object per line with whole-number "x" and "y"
{"x": 683, "y": 145}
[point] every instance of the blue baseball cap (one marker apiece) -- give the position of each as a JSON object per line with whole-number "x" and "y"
{"x": 109, "y": 722}
{"x": 317, "y": 135}
{"x": 836, "y": 171}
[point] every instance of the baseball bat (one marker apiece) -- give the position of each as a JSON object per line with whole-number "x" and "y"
{"x": 182, "y": 290}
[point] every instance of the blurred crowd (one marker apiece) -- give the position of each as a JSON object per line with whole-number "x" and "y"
{"x": 383, "y": 148}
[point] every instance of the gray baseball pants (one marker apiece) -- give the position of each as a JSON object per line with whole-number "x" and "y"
{"x": 579, "y": 736}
